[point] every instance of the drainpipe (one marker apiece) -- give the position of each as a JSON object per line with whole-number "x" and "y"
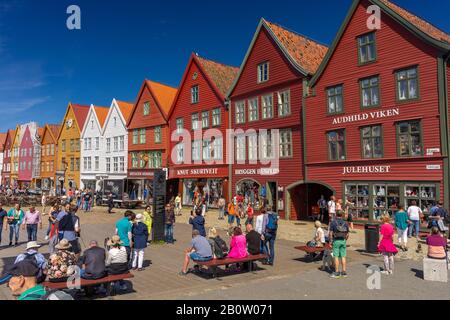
{"x": 230, "y": 165}
{"x": 444, "y": 105}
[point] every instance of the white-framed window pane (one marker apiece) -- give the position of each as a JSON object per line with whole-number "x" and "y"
{"x": 253, "y": 147}
{"x": 206, "y": 149}
{"x": 240, "y": 148}
{"x": 158, "y": 134}
{"x": 146, "y": 108}
{"x": 240, "y": 112}
{"x": 194, "y": 94}
{"x": 180, "y": 125}
{"x": 267, "y": 107}
{"x": 195, "y": 121}
{"x": 286, "y": 143}
{"x": 284, "y": 103}
{"x": 218, "y": 149}
{"x": 205, "y": 119}
{"x": 216, "y": 117}
{"x": 196, "y": 150}
{"x": 253, "y": 113}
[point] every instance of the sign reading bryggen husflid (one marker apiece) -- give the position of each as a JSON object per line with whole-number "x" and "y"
{"x": 377, "y": 116}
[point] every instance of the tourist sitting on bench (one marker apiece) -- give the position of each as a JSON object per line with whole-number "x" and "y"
{"x": 62, "y": 264}
{"x": 437, "y": 245}
{"x": 93, "y": 262}
{"x": 238, "y": 245}
{"x": 200, "y": 250}
{"x": 117, "y": 261}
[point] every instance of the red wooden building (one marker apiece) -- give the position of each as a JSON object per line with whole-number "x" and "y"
{"x": 377, "y": 124}
{"x": 199, "y": 108}
{"x": 148, "y": 137}
{"x": 26, "y": 154}
{"x": 268, "y": 95}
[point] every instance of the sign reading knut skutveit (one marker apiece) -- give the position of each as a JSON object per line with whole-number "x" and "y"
{"x": 367, "y": 116}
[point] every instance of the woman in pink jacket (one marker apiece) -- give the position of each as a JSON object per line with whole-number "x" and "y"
{"x": 238, "y": 245}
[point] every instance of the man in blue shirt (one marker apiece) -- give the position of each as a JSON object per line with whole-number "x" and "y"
{"x": 69, "y": 226}
{"x": 123, "y": 230}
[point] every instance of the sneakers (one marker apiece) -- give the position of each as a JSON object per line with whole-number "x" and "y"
{"x": 46, "y": 238}
{"x": 335, "y": 275}
{"x": 385, "y": 272}
{"x": 183, "y": 273}
{"x": 344, "y": 274}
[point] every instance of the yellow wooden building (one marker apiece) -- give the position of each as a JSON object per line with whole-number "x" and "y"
{"x": 15, "y": 146}
{"x": 68, "y": 160}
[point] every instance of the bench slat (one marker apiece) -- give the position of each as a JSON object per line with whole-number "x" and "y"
{"x": 222, "y": 262}
{"x": 86, "y": 283}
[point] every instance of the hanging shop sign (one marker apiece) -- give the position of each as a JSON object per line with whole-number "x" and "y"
{"x": 366, "y": 170}
{"x": 367, "y": 116}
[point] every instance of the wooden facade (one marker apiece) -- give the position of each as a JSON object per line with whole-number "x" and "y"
{"x": 384, "y": 141}
{"x": 49, "y": 156}
{"x": 200, "y": 106}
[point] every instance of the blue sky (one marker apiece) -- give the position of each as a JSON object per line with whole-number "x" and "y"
{"x": 43, "y": 65}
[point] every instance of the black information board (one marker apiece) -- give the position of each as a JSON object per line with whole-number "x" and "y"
{"x": 159, "y": 203}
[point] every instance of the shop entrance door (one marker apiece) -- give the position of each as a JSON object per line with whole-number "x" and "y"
{"x": 272, "y": 195}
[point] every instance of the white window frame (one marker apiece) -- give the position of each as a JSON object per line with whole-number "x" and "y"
{"x": 263, "y": 72}
{"x": 253, "y": 110}
{"x": 284, "y": 108}
{"x": 240, "y": 112}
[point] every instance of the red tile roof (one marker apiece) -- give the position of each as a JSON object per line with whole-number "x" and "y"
{"x": 2, "y": 141}
{"x": 102, "y": 113}
{"x": 126, "y": 109}
{"x": 81, "y": 112}
{"x": 55, "y": 128}
{"x": 307, "y": 53}
{"x": 221, "y": 75}
{"x": 418, "y": 22}
{"x": 164, "y": 95}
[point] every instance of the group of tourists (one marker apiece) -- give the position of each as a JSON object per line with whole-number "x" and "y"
{"x": 256, "y": 241}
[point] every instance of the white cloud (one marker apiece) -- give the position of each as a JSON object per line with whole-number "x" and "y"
{"x": 21, "y": 105}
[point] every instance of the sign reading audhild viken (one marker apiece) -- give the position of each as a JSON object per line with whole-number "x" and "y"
{"x": 374, "y": 115}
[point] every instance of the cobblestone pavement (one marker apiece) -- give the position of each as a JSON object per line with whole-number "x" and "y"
{"x": 161, "y": 281}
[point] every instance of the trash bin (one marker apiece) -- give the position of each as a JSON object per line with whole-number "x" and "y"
{"x": 372, "y": 232}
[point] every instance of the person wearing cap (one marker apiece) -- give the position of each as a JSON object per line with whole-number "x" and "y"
{"x": 22, "y": 281}
{"x": 140, "y": 238}
{"x": 200, "y": 250}
{"x": 32, "y": 253}
{"x": 15, "y": 218}
{"x": 62, "y": 264}
{"x": 32, "y": 220}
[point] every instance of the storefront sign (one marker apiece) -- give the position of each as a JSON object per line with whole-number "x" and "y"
{"x": 366, "y": 169}
{"x": 431, "y": 152}
{"x": 367, "y": 115}
{"x": 198, "y": 172}
{"x": 433, "y": 167}
{"x": 141, "y": 174}
{"x": 258, "y": 172}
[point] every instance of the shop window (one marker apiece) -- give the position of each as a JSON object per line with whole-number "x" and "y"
{"x": 386, "y": 199}
{"x": 336, "y": 145}
{"x": 366, "y": 48}
{"x": 267, "y": 107}
{"x": 252, "y": 192}
{"x": 425, "y": 196}
{"x": 195, "y": 121}
{"x": 357, "y": 196}
{"x": 409, "y": 137}
{"x": 370, "y": 92}
{"x": 216, "y": 117}
{"x": 253, "y": 114}
{"x": 240, "y": 112}
{"x": 335, "y": 100}
{"x": 372, "y": 142}
{"x": 407, "y": 84}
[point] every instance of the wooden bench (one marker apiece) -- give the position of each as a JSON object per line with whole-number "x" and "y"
{"x": 84, "y": 283}
{"x": 215, "y": 263}
{"x": 310, "y": 251}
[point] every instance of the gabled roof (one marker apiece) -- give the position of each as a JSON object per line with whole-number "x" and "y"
{"x": 220, "y": 74}
{"x": 418, "y": 22}
{"x": 101, "y": 113}
{"x": 126, "y": 108}
{"x": 417, "y": 26}
{"x": 81, "y": 113}
{"x": 53, "y": 130}
{"x": 303, "y": 53}
{"x": 2, "y": 141}
{"x": 163, "y": 95}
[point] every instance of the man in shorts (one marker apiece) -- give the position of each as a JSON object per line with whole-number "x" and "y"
{"x": 339, "y": 233}
{"x": 200, "y": 250}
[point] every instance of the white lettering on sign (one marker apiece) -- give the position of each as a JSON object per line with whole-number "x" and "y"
{"x": 257, "y": 172}
{"x": 366, "y": 169}
{"x": 432, "y": 151}
{"x": 366, "y": 116}
{"x": 243, "y": 172}
{"x": 433, "y": 167}
{"x": 186, "y": 172}
{"x": 141, "y": 174}
{"x": 269, "y": 171}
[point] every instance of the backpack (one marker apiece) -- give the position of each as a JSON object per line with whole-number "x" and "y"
{"x": 341, "y": 229}
{"x": 220, "y": 248}
{"x": 272, "y": 223}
